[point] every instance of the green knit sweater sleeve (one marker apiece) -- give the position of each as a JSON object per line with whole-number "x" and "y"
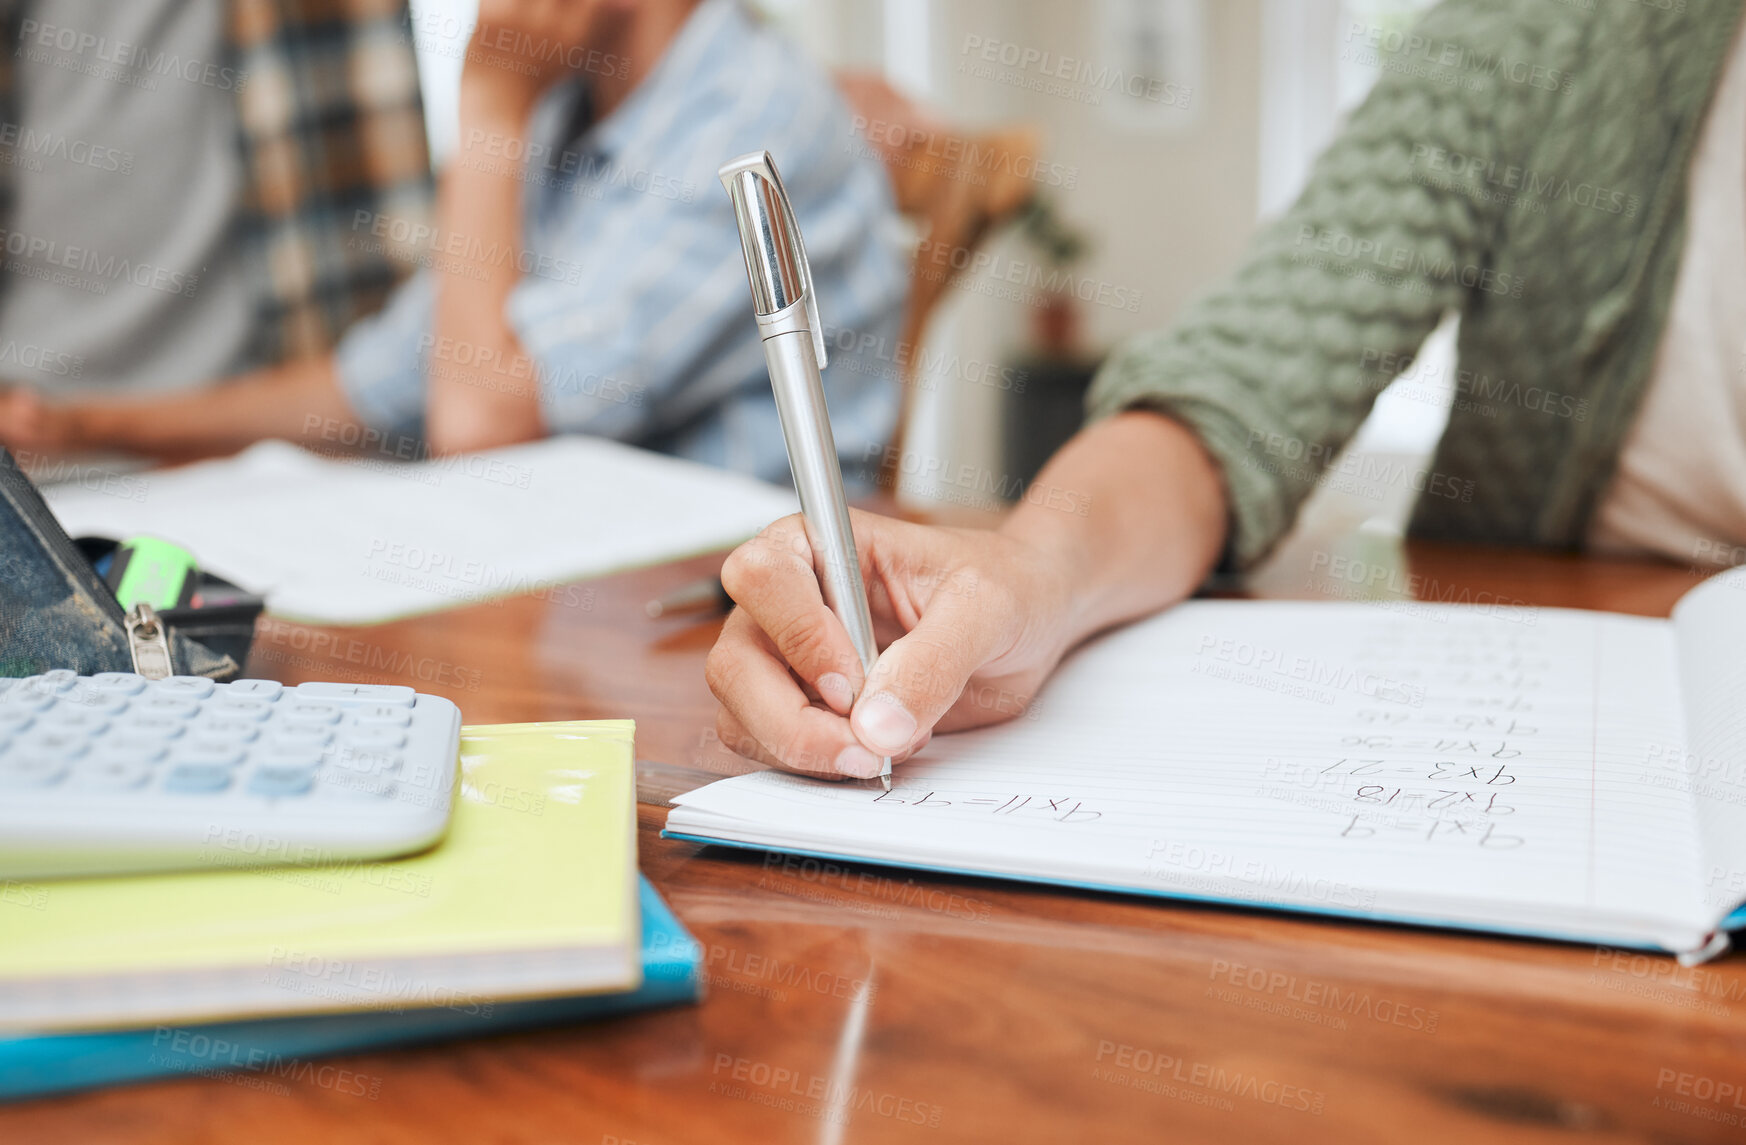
{"x": 1277, "y": 366}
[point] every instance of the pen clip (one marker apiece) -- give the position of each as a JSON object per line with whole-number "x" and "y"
{"x": 776, "y": 262}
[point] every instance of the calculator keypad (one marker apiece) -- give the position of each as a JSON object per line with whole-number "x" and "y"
{"x": 188, "y": 736}
{"x": 116, "y": 774}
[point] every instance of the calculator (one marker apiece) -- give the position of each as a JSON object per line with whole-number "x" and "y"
{"x": 116, "y": 773}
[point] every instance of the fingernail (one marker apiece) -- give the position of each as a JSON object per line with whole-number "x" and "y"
{"x": 883, "y": 723}
{"x": 834, "y": 687}
{"x": 857, "y": 761}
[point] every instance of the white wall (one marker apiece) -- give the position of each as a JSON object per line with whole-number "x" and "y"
{"x": 1166, "y": 190}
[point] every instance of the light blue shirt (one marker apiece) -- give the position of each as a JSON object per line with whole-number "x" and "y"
{"x": 633, "y": 302}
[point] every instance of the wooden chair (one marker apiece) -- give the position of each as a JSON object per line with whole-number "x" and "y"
{"x": 957, "y": 186}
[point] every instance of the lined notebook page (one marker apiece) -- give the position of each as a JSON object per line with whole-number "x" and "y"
{"x": 1710, "y": 628}
{"x": 1458, "y": 763}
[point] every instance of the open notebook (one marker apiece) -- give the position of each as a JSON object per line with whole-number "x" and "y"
{"x": 1550, "y": 772}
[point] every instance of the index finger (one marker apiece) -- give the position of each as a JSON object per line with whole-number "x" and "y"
{"x": 762, "y": 698}
{"x": 772, "y": 578}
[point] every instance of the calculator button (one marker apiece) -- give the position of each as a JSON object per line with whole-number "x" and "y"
{"x": 124, "y": 748}
{"x": 20, "y": 770}
{"x": 301, "y": 735}
{"x": 117, "y": 683}
{"x": 12, "y": 720}
{"x": 311, "y": 713}
{"x": 380, "y": 715}
{"x": 86, "y": 700}
{"x": 58, "y": 680}
{"x": 208, "y": 753}
{"x": 256, "y": 710}
{"x": 111, "y": 774}
{"x": 197, "y": 779}
{"x": 265, "y": 691}
{"x": 64, "y": 718}
{"x": 231, "y": 731}
{"x": 280, "y": 781}
{"x": 161, "y": 705}
{"x": 158, "y": 725}
{"x": 186, "y": 687}
{"x": 51, "y": 744}
{"x": 387, "y": 695}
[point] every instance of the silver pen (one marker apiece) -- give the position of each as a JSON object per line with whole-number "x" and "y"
{"x": 794, "y": 349}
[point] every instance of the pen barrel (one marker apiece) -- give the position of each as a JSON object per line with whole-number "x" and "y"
{"x": 818, "y": 479}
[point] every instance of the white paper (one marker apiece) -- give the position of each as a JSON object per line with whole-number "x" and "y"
{"x": 351, "y": 542}
{"x": 1465, "y": 765}
{"x": 1711, "y": 626}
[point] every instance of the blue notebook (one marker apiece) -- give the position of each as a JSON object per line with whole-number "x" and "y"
{"x": 284, "y": 1049}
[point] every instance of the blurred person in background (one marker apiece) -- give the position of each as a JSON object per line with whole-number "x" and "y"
{"x": 584, "y": 273}
{"x": 177, "y": 183}
{"x": 1570, "y": 179}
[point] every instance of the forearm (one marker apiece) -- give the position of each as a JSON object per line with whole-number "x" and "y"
{"x": 299, "y": 400}
{"x": 481, "y": 388}
{"x": 1133, "y": 511}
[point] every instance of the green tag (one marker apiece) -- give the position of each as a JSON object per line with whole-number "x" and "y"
{"x": 156, "y": 573}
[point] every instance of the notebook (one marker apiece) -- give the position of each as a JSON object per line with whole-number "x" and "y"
{"x": 532, "y": 893}
{"x": 282, "y": 1051}
{"x": 366, "y": 540}
{"x": 1536, "y": 771}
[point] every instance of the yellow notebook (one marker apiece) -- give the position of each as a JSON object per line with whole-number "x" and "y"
{"x": 532, "y": 892}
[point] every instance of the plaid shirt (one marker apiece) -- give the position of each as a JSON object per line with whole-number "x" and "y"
{"x": 331, "y": 124}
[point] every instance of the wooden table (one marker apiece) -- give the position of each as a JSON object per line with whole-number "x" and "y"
{"x": 990, "y": 1012}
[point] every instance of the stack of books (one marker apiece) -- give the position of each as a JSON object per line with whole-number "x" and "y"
{"x": 529, "y": 912}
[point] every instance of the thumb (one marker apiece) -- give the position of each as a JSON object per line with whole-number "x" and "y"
{"x": 920, "y": 676}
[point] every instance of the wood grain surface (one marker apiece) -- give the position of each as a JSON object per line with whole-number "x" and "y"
{"x": 866, "y": 1004}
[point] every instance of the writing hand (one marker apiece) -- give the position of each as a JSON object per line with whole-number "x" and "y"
{"x": 971, "y": 622}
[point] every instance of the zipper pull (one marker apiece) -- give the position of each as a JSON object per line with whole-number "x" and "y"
{"x": 148, "y": 641}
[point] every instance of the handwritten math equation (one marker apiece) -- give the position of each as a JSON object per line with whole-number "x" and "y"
{"x": 1059, "y": 809}
{"x": 1458, "y": 770}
